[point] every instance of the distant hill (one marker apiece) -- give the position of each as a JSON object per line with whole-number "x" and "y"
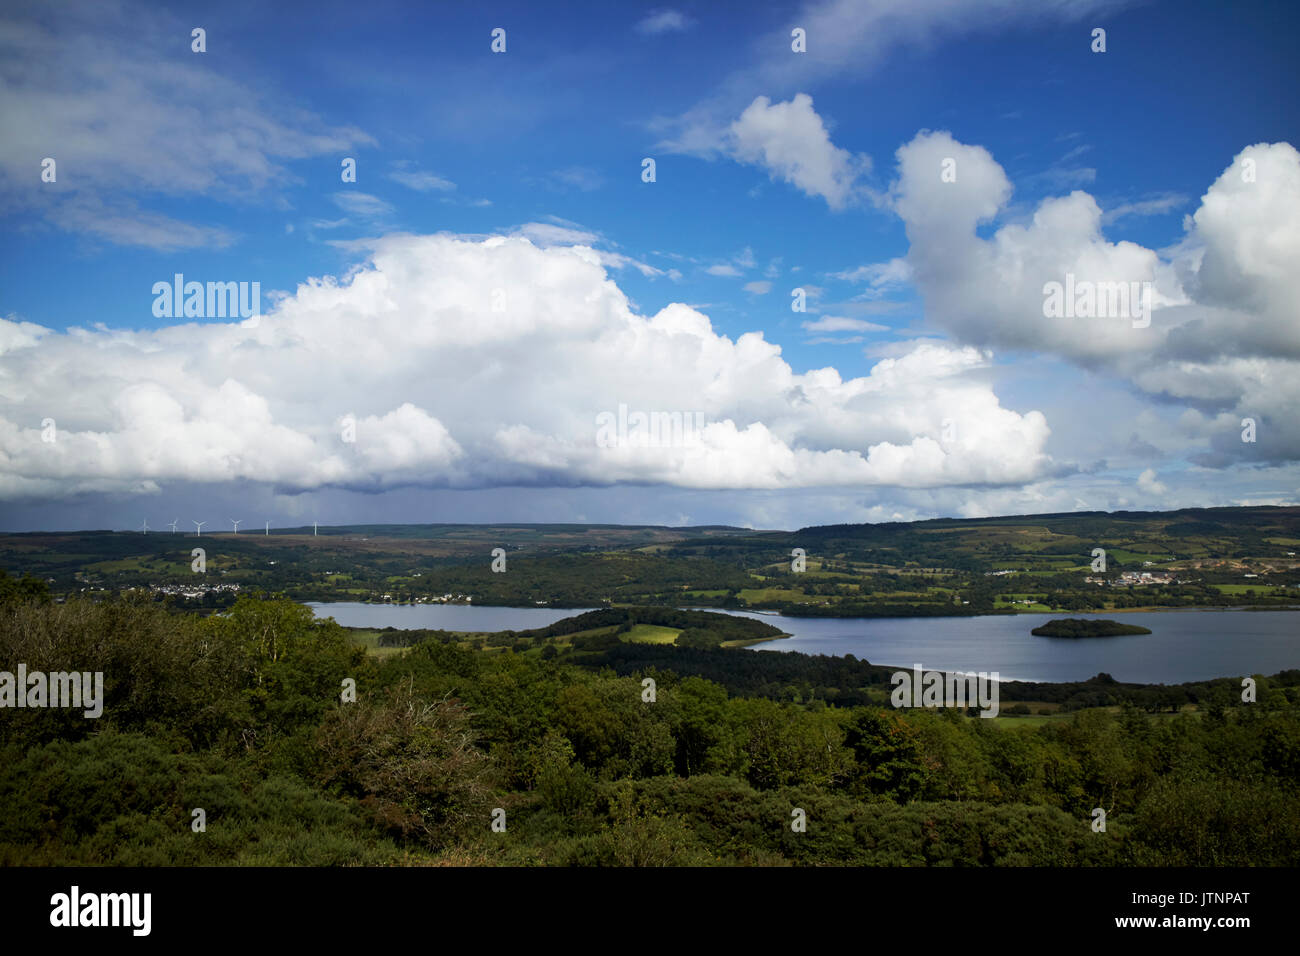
{"x": 948, "y": 566}
{"x": 1046, "y": 542}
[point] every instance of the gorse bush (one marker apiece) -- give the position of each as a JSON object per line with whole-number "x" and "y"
{"x": 411, "y": 763}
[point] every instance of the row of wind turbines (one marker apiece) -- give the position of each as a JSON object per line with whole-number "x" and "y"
{"x": 198, "y": 526}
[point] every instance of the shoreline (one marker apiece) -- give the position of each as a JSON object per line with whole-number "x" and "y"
{"x": 1146, "y": 609}
{"x": 750, "y": 642}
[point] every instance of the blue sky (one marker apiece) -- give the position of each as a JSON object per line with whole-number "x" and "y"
{"x": 775, "y": 170}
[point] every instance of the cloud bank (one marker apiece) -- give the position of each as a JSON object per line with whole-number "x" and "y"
{"x": 477, "y": 362}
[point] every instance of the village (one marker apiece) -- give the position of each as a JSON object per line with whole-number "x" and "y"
{"x": 1137, "y": 579}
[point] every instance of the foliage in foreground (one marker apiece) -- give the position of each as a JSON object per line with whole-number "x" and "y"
{"x": 241, "y": 716}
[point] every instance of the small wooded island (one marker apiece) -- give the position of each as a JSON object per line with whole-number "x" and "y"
{"x": 1081, "y": 627}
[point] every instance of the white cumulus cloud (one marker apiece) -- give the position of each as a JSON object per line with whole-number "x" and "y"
{"x": 792, "y": 143}
{"x": 481, "y": 362}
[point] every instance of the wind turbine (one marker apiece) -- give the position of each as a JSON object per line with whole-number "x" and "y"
{"x": 198, "y": 528}
{"x": 236, "y": 524}
{"x": 145, "y": 528}
{"x": 313, "y": 529}
{"x": 268, "y": 527}
{"x": 173, "y": 525}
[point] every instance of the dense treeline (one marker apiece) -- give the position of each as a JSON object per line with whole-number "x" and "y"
{"x": 244, "y": 717}
{"x": 721, "y": 627}
{"x": 794, "y": 676}
{"x": 855, "y": 609}
{"x": 1075, "y": 627}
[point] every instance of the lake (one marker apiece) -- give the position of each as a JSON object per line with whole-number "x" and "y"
{"x": 1185, "y": 645}
{"x": 443, "y": 617}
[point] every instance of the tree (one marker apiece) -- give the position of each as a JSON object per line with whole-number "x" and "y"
{"x": 24, "y": 590}
{"x": 887, "y": 753}
{"x": 293, "y": 664}
{"x": 703, "y": 726}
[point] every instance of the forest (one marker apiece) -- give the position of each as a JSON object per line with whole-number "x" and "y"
{"x": 235, "y": 740}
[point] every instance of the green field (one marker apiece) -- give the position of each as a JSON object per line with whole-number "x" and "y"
{"x": 370, "y": 641}
{"x": 651, "y": 634}
{"x": 1260, "y": 588}
{"x": 761, "y": 595}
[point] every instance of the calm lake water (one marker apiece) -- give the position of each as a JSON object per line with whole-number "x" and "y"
{"x": 445, "y": 617}
{"x": 1182, "y": 645}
